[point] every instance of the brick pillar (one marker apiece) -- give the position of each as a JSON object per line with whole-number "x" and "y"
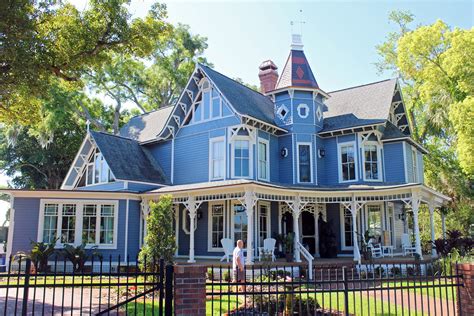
{"x": 466, "y": 292}
{"x": 189, "y": 290}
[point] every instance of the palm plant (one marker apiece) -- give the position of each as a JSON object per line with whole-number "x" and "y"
{"x": 78, "y": 255}
{"x": 39, "y": 254}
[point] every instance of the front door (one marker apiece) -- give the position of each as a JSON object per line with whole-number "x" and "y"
{"x": 308, "y": 231}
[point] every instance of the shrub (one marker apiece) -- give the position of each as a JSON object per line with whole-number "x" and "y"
{"x": 160, "y": 240}
{"x": 210, "y": 274}
{"x": 396, "y": 271}
{"x": 78, "y": 255}
{"x": 226, "y": 276}
{"x": 39, "y": 254}
{"x": 379, "y": 272}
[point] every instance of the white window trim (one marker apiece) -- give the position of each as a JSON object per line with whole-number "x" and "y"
{"x": 339, "y": 161}
{"x": 280, "y": 109}
{"x": 232, "y": 150}
{"x": 343, "y": 232}
{"x": 267, "y": 144}
{"x": 298, "y": 161}
{"x": 211, "y": 169}
{"x": 303, "y": 105}
{"x": 86, "y": 174}
{"x": 209, "y": 225}
{"x": 379, "y": 161}
{"x": 79, "y": 221}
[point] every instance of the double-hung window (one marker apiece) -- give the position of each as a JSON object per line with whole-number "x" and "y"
{"x": 50, "y": 223}
{"x": 242, "y": 158}
{"x": 217, "y": 158}
{"x": 372, "y": 162}
{"x": 263, "y": 160}
{"x": 304, "y": 163}
{"x": 68, "y": 223}
{"x": 347, "y": 162}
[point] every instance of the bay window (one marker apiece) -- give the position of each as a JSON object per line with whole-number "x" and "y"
{"x": 371, "y": 162}
{"x": 347, "y": 162}
{"x": 263, "y": 160}
{"x": 217, "y": 159}
{"x": 73, "y": 222}
{"x": 304, "y": 163}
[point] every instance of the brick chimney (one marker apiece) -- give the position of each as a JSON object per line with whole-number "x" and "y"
{"x": 268, "y": 75}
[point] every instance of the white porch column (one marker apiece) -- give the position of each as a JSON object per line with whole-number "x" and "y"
{"x": 249, "y": 201}
{"x": 191, "y": 206}
{"x": 296, "y": 207}
{"x": 433, "y": 249}
{"x": 415, "y": 205}
{"x": 354, "y": 210}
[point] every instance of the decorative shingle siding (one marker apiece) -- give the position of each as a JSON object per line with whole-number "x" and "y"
{"x": 394, "y": 166}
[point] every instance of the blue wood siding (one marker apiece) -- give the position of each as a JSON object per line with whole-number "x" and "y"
{"x": 286, "y": 165}
{"x": 409, "y": 162}
{"x": 162, "y": 154}
{"x": 26, "y": 221}
{"x": 394, "y": 166}
{"x": 133, "y": 236}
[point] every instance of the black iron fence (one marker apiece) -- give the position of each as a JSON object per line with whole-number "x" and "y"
{"x": 371, "y": 289}
{"x": 99, "y": 286}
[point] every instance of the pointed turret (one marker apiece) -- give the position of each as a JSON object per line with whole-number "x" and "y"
{"x": 297, "y": 73}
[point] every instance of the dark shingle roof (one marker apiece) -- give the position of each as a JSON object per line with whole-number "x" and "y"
{"x": 392, "y": 132}
{"x": 244, "y": 100}
{"x": 146, "y": 126}
{"x": 346, "y": 121}
{"x": 297, "y": 72}
{"x": 370, "y": 101}
{"x": 127, "y": 159}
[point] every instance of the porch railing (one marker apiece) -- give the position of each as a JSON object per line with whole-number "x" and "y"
{"x": 308, "y": 258}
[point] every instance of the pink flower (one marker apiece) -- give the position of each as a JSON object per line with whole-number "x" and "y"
{"x": 288, "y": 279}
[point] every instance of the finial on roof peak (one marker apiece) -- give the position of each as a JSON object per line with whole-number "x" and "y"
{"x": 296, "y": 42}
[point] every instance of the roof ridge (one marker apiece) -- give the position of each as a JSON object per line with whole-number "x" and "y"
{"x": 363, "y": 85}
{"x": 152, "y": 111}
{"x": 114, "y": 135}
{"x": 234, "y": 80}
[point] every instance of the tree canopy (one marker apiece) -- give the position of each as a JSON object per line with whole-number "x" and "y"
{"x": 436, "y": 65}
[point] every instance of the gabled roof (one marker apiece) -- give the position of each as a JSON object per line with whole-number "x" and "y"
{"x": 297, "y": 72}
{"x": 243, "y": 99}
{"x": 146, "y": 126}
{"x": 346, "y": 121}
{"x": 127, "y": 159}
{"x": 370, "y": 101}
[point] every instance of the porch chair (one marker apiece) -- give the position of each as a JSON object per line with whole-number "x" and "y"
{"x": 375, "y": 249}
{"x": 228, "y": 246}
{"x": 407, "y": 246}
{"x": 268, "y": 247}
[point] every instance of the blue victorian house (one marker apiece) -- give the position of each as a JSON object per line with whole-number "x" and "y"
{"x": 247, "y": 165}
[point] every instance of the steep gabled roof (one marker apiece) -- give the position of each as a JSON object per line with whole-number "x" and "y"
{"x": 146, "y": 126}
{"x": 370, "y": 101}
{"x": 243, "y": 99}
{"x": 127, "y": 159}
{"x": 297, "y": 72}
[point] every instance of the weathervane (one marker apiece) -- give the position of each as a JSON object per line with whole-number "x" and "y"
{"x": 292, "y": 23}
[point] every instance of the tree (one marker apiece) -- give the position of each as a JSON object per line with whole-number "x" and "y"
{"x": 38, "y": 159}
{"x": 42, "y": 41}
{"x": 127, "y": 79}
{"x": 436, "y": 66}
{"x": 160, "y": 242}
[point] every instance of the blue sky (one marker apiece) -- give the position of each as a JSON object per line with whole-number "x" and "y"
{"x": 339, "y": 36}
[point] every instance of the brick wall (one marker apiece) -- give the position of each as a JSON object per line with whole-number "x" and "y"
{"x": 190, "y": 290}
{"x": 466, "y": 292}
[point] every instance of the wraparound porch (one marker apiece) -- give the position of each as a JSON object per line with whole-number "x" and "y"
{"x": 208, "y": 211}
